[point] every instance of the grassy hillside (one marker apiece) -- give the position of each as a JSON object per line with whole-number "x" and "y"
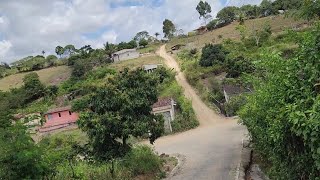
{"x": 139, "y": 62}
{"x": 53, "y": 75}
{"x": 277, "y": 23}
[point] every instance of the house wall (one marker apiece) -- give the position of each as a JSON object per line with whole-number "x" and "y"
{"x": 65, "y": 117}
{"x": 126, "y": 56}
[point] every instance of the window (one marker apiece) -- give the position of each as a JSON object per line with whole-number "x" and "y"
{"x": 49, "y": 116}
{"x": 59, "y": 114}
{"x": 70, "y": 113}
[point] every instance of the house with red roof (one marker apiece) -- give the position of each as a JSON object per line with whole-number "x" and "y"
{"x": 59, "y": 118}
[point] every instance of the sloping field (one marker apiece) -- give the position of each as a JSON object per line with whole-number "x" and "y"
{"x": 53, "y": 75}
{"x": 277, "y": 23}
{"x": 138, "y": 62}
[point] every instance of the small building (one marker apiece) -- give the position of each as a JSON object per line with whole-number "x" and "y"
{"x": 150, "y": 67}
{"x": 201, "y": 30}
{"x": 125, "y": 54}
{"x": 59, "y": 118}
{"x": 165, "y": 107}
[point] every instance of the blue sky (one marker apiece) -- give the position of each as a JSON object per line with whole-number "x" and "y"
{"x": 28, "y": 27}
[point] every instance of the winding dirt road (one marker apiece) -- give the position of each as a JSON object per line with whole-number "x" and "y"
{"x": 213, "y": 149}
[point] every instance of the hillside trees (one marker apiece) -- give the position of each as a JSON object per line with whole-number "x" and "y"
{"x": 59, "y": 51}
{"x": 282, "y": 115}
{"x": 106, "y": 120}
{"x": 141, "y": 35}
{"x": 33, "y": 88}
{"x": 20, "y": 158}
{"x": 212, "y": 54}
{"x": 204, "y": 10}
{"x": 310, "y": 9}
{"x": 143, "y": 42}
{"x": 168, "y": 28}
{"x": 228, "y": 14}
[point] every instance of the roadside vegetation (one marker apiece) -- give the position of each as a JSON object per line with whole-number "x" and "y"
{"x": 274, "y": 67}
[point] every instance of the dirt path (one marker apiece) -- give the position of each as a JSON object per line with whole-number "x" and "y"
{"x": 212, "y": 150}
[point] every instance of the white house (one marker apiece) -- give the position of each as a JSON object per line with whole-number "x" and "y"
{"x": 125, "y": 54}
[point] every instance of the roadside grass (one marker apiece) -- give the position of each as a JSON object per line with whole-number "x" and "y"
{"x": 185, "y": 116}
{"x": 151, "y": 48}
{"x": 277, "y": 23}
{"x": 53, "y": 75}
{"x": 138, "y": 62}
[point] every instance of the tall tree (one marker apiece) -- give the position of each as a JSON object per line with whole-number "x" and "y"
{"x": 70, "y": 49}
{"x": 110, "y": 49}
{"x": 34, "y": 89}
{"x": 126, "y": 112}
{"x": 228, "y": 14}
{"x": 59, "y": 50}
{"x": 141, "y": 35}
{"x": 267, "y": 8}
{"x": 204, "y": 10}
{"x": 43, "y": 52}
{"x": 168, "y": 28}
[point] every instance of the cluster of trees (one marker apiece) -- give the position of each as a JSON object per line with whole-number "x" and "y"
{"x": 267, "y": 7}
{"x": 33, "y": 63}
{"x": 106, "y": 120}
{"x": 282, "y": 115}
{"x": 4, "y": 67}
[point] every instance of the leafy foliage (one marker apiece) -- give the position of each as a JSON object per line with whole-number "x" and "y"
{"x": 116, "y": 117}
{"x": 204, "y": 9}
{"x": 282, "y": 115}
{"x": 212, "y": 54}
{"x": 168, "y": 28}
{"x": 143, "y": 42}
{"x": 33, "y": 88}
{"x": 20, "y": 158}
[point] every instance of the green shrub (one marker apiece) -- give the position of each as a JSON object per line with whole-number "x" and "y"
{"x": 142, "y": 160}
{"x": 185, "y": 118}
{"x": 212, "y": 54}
{"x": 234, "y": 105}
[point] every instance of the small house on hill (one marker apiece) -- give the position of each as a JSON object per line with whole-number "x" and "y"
{"x": 201, "y": 30}
{"x": 165, "y": 107}
{"x": 150, "y": 67}
{"x": 59, "y": 118}
{"x": 125, "y": 54}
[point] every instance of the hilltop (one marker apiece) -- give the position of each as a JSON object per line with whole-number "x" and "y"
{"x": 278, "y": 24}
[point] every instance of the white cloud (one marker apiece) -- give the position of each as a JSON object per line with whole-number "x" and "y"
{"x": 28, "y": 27}
{"x": 4, "y": 47}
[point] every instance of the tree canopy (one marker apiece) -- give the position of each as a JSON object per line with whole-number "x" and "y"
{"x": 204, "y": 10}
{"x": 168, "y": 28}
{"x": 282, "y": 115}
{"x": 125, "y": 112}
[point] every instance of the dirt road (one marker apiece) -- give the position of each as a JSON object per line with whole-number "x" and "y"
{"x": 213, "y": 149}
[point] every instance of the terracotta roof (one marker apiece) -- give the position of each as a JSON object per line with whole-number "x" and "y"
{"x": 60, "y": 109}
{"x": 162, "y": 102}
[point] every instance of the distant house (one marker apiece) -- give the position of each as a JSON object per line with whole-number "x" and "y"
{"x": 150, "y": 67}
{"x": 165, "y": 107}
{"x": 59, "y": 118}
{"x": 125, "y": 54}
{"x": 201, "y": 30}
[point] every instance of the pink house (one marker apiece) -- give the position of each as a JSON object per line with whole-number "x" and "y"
{"x": 59, "y": 118}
